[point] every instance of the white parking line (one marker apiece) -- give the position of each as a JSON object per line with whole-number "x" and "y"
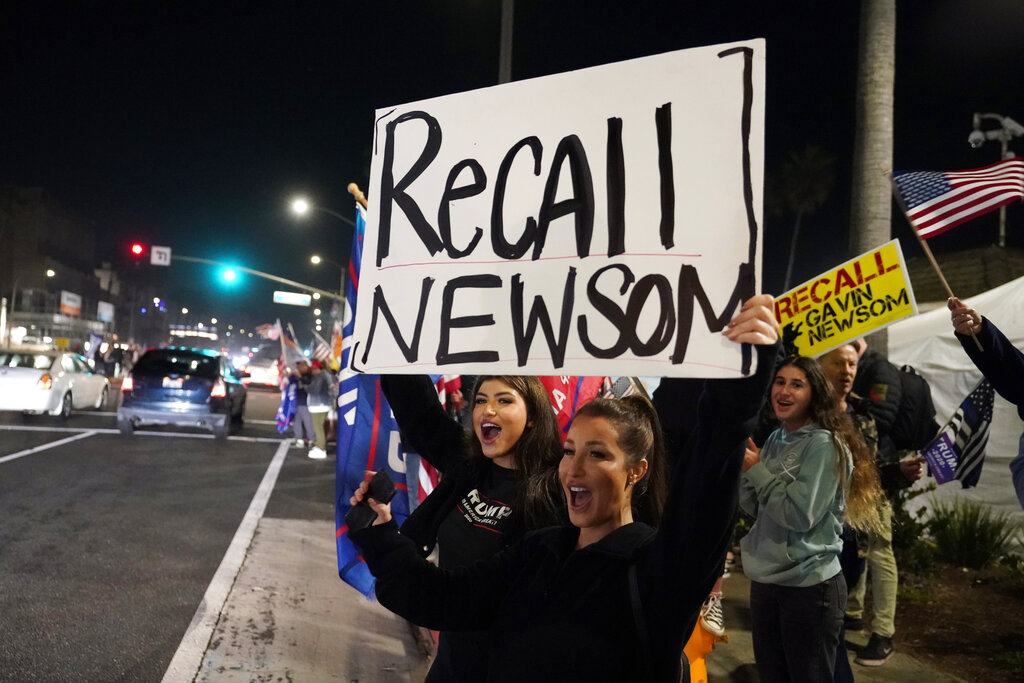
{"x": 52, "y": 444}
{"x": 189, "y": 657}
{"x": 98, "y": 430}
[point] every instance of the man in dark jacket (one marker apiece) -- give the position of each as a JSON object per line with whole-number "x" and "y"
{"x": 841, "y": 367}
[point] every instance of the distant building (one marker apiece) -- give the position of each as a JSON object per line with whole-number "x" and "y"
{"x": 55, "y": 294}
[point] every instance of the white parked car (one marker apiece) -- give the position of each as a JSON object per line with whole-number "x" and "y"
{"x": 262, "y": 373}
{"x": 53, "y": 382}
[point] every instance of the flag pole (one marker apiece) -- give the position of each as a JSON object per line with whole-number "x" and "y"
{"x": 927, "y": 249}
{"x": 284, "y": 353}
{"x": 354, "y": 190}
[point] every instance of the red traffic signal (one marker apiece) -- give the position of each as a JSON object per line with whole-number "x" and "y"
{"x": 137, "y": 249}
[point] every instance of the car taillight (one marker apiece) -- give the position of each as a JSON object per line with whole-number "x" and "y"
{"x": 45, "y": 382}
{"x": 127, "y": 384}
{"x": 219, "y": 390}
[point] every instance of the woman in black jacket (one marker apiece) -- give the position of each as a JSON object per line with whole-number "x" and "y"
{"x": 499, "y": 479}
{"x": 605, "y": 598}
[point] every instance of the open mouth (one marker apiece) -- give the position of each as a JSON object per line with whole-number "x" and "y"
{"x": 783, "y": 404}
{"x": 489, "y": 432}
{"x": 578, "y": 496}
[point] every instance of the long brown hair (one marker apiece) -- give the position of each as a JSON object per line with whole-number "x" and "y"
{"x": 536, "y": 453}
{"x": 636, "y": 422}
{"x": 863, "y": 488}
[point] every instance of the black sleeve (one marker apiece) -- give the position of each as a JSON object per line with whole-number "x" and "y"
{"x": 424, "y": 424}
{"x": 445, "y": 600}
{"x": 1000, "y": 361}
{"x": 688, "y": 554}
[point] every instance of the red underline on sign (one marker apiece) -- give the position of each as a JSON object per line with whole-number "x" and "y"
{"x": 654, "y": 364}
{"x": 523, "y": 260}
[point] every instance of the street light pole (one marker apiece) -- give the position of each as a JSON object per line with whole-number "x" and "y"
{"x": 316, "y": 259}
{"x": 505, "y": 44}
{"x": 265, "y": 276}
{"x": 301, "y": 206}
{"x": 1007, "y": 130}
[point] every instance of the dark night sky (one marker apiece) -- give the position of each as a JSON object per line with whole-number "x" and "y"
{"x": 190, "y": 124}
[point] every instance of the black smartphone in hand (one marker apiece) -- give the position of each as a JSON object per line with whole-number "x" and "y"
{"x": 382, "y": 490}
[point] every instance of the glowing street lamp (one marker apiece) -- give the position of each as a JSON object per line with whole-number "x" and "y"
{"x": 302, "y": 207}
{"x": 50, "y": 272}
{"x": 316, "y": 260}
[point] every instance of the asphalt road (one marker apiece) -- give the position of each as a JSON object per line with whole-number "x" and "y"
{"x": 109, "y": 543}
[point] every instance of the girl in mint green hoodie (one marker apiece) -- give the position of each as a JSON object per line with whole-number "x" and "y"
{"x": 796, "y": 487}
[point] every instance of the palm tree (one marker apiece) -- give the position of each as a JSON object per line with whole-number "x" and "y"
{"x": 871, "y": 195}
{"x": 804, "y": 183}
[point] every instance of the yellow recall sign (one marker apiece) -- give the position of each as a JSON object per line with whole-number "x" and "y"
{"x": 862, "y": 295}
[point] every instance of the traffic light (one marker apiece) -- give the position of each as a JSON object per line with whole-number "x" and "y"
{"x": 137, "y": 250}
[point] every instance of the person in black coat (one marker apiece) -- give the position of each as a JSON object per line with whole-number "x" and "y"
{"x": 604, "y": 598}
{"x": 499, "y": 479}
{"x": 1001, "y": 363}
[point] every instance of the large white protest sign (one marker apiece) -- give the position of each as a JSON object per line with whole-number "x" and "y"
{"x": 605, "y": 221}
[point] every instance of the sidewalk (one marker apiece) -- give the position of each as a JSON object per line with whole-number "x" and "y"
{"x": 289, "y": 617}
{"x": 734, "y": 661}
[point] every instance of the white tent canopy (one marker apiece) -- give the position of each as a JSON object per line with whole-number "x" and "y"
{"x": 926, "y": 342}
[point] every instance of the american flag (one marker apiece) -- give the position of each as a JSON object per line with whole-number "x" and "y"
{"x": 321, "y": 350}
{"x": 290, "y": 351}
{"x": 268, "y": 331}
{"x": 959, "y": 450}
{"x": 936, "y": 201}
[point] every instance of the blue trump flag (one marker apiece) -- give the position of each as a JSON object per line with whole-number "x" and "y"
{"x": 286, "y": 411}
{"x": 368, "y": 438}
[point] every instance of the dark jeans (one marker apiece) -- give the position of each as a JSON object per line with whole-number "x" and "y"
{"x": 796, "y": 630}
{"x": 853, "y": 566}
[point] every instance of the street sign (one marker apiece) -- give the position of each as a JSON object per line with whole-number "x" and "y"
{"x": 160, "y": 256}
{"x": 292, "y": 298}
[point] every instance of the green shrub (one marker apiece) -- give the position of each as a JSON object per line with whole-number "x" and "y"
{"x": 1012, "y": 662}
{"x": 969, "y": 534}
{"x": 1012, "y": 566}
{"x": 914, "y": 550}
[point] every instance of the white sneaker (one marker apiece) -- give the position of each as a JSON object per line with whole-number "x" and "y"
{"x": 317, "y": 453}
{"x": 301, "y": 443}
{"x": 712, "y": 619}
